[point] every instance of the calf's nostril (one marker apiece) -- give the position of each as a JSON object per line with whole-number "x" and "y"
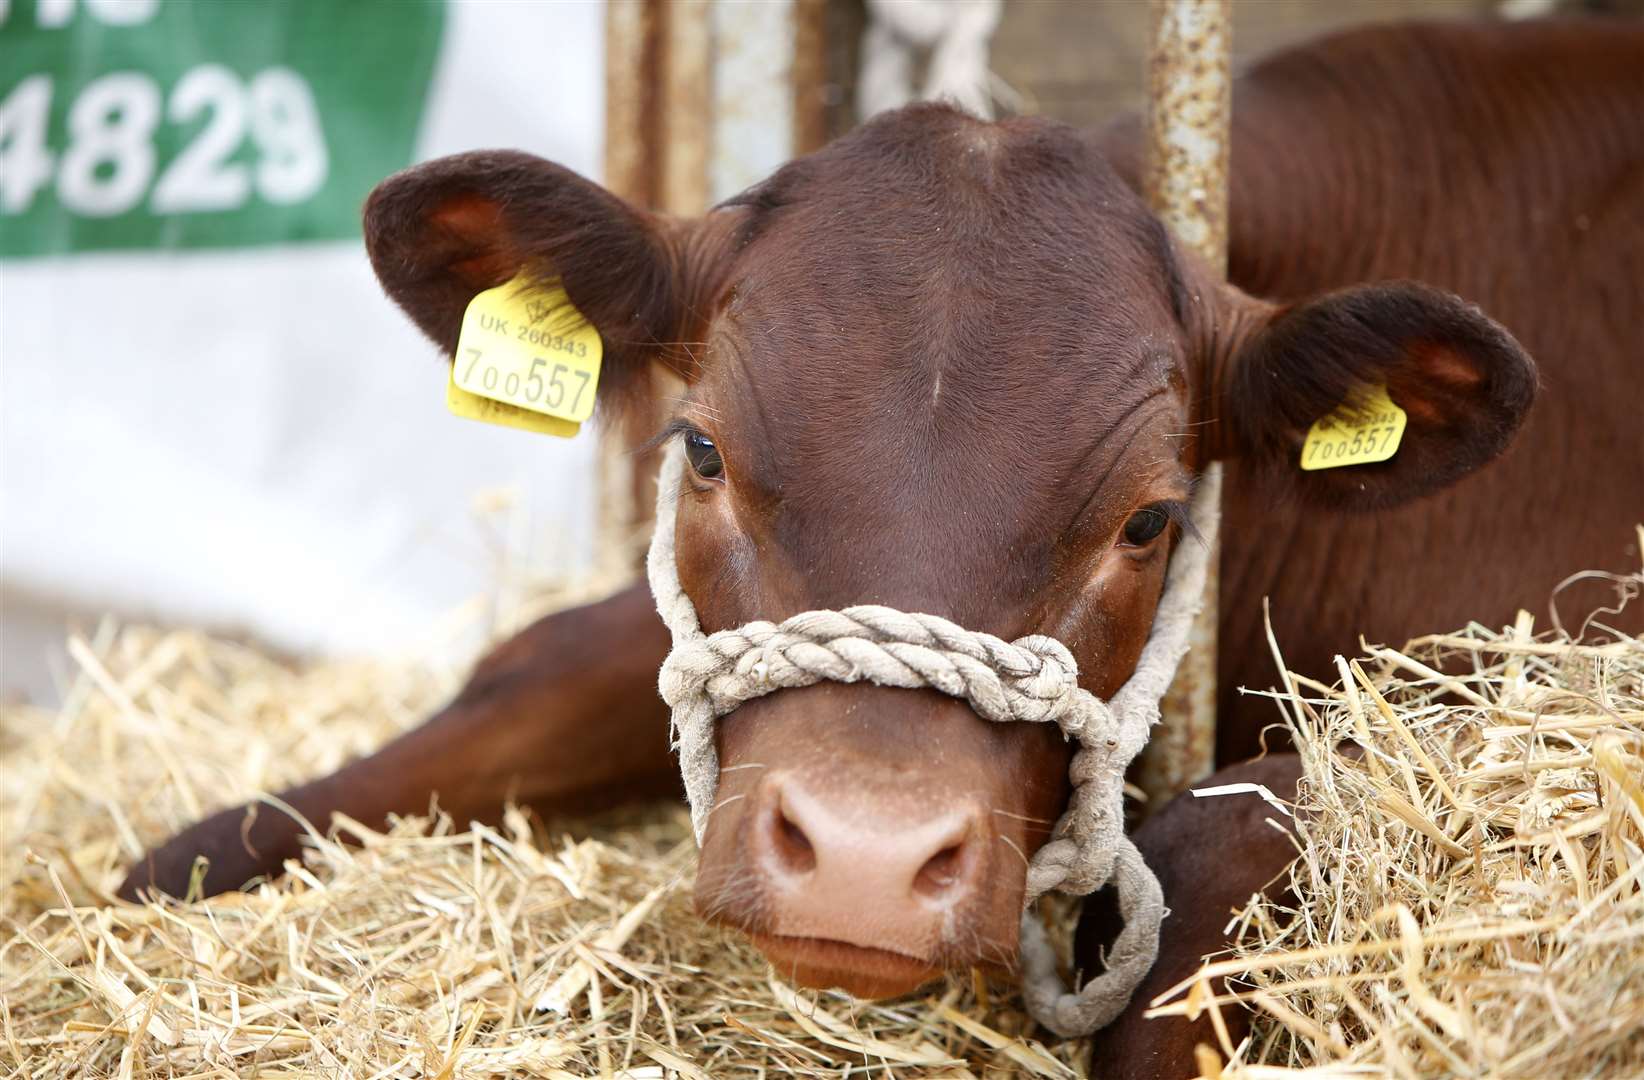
{"x": 942, "y": 872}
{"x": 791, "y": 846}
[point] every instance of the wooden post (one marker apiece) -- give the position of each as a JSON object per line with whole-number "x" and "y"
{"x": 1189, "y": 108}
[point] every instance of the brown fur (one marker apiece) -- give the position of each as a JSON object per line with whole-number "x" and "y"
{"x": 946, "y": 361}
{"x": 1204, "y": 884}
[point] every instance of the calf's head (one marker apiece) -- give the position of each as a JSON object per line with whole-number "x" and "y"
{"x": 950, "y": 367}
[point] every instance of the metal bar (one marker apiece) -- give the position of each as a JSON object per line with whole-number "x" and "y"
{"x": 1190, "y": 86}
{"x": 631, "y": 106}
{"x": 658, "y": 116}
{"x": 703, "y": 99}
{"x": 679, "y": 142}
{"x": 810, "y": 75}
{"x": 753, "y": 93}
{"x": 630, "y": 78}
{"x": 1190, "y": 103}
{"x": 686, "y": 135}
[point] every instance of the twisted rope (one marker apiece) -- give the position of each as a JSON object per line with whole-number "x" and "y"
{"x": 1032, "y": 679}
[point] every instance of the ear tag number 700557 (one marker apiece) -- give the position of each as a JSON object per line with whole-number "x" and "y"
{"x": 1365, "y": 428}
{"x": 526, "y": 358}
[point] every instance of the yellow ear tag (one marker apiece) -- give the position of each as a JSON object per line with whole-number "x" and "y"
{"x": 473, "y": 407}
{"x": 526, "y": 358}
{"x": 1365, "y": 428}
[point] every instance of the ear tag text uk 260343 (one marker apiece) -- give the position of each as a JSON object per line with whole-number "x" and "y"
{"x": 526, "y": 358}
{"x": 1365, "y": 428}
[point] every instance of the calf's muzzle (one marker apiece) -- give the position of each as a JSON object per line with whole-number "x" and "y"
{"x": 869, "y": 839}
{"x": 829, "y": 857}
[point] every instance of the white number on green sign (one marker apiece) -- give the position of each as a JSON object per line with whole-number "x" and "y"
{"x": 142, "y": 124}
{"x": 109, "y": 160}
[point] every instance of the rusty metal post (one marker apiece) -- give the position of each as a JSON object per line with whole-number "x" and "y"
{"x": 631, "y": 105}
{"x": 685, "y": 141}
{"x": 630, "y": 97}
{"x": 1190, "y": 90}
{"x": 702, "y": 99}
{"x": 810, "y": 75}
{"x": 753, "y": 93}
{"x": 658, "y": 117}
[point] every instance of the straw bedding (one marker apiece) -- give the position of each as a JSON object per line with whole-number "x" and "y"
{"x": 424, "y": 950}
{"x": 1467, "y": 898}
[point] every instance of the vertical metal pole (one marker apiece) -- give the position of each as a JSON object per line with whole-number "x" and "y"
{"x": 753, "y": 92}
{"x": 703, "y": 98}
{"x": 679, "y": 144}
{"x": 810, "y": 75}
{"x": 686, "y": 135}
{"x": 1189, "y": 108}
{"x": 630, "y": 97}
{"x": 1190, "y": 104}
{"x": 658, "y": 116}
{"x": 631, "y": 105}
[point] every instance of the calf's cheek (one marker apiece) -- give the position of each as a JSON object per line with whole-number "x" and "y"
{"x": 714, "y": 561}
{"x": 1106, "y": 623}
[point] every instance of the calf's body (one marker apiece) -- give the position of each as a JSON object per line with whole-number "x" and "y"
{"x": 1500, "y": 163}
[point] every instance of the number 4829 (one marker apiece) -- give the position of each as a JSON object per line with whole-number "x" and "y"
{"x": 109, "y": 160}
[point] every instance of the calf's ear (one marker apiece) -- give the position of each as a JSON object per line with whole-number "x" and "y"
{"x": 1464, "y": 384}
{"x": 441, "y": 232}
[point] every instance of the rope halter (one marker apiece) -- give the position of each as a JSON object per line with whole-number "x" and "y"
{"x": 1033, "y": 678}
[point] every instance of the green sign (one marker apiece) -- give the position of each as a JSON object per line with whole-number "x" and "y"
{"x": 203, "y": 123}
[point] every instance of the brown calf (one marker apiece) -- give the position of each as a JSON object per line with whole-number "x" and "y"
{"x": 957, "y": 367}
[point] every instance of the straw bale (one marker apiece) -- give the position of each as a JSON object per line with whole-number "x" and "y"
{"x": 1469, "y": 894}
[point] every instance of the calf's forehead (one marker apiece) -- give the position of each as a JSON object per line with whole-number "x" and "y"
{"x": 932, "y": 257}
{"x": 1025, "y": 210}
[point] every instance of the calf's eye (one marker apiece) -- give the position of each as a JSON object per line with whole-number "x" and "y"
{"x": 1144, "y": 526}
{"x": 703, "y": 455}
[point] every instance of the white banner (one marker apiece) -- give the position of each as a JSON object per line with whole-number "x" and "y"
{"x": 248, "y": 434}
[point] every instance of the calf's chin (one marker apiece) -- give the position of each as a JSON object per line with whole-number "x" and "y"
{"x": 870, "y": 839}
